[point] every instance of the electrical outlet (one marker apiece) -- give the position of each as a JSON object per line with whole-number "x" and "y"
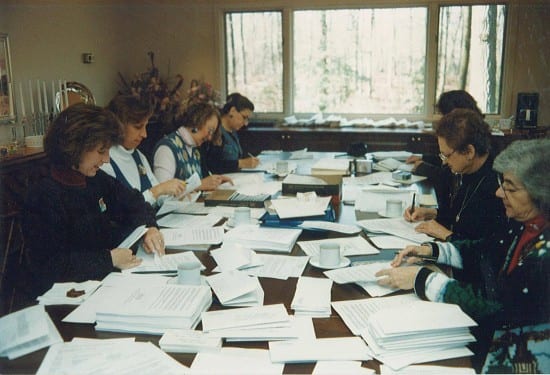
{"x": 87, "y": 58}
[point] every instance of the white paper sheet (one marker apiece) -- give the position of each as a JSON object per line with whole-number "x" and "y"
{"x": 348, "y": 246}
{"x": 256, "y": 316}
{"x": 398, "y": 227}
{"x": 327, "y": 349}
{"x": 174, "y": 237}
{"x": 236, "y": 361}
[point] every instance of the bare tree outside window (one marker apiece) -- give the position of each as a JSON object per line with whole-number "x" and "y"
{"x": 470, "y": 55}
{"x": 254, "y": 58}
{"x": 360, "y": 60}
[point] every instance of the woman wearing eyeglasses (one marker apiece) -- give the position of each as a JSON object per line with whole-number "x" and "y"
{"x": 467, "y": 208}
{"x": 229, "y": 156}
{"x": 515, "y": 264}
{"x": 177, "y": 155}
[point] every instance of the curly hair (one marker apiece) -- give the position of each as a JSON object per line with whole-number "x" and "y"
{"x": 78, "y": 129}
{"x": 196, "y": 115}
{"x": 463, "y": 127}
{"x": 528, "y": 160}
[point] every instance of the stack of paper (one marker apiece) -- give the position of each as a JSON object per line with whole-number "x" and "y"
{"x": 259, "y": 323}
{"x": 304, "y": 205}
{"x": 188, "y": 221}
{"x": 111, "y": 356}
{"x": 398, "y": 227}
{"x": 236, "y": 361}
{"x": 234, "y": 288}
{"x": 26, "y": 331}
{"x": 153, "y": 309}
{"x": 69, "y": 293}
{"x": 235, "y": 257}
{"x": 312, "y": 297}
{"x": 188, "y": 341}
{"x": 326, "y": 349}
{"x": 175, "y": 238}
{"x": 263, "y": 239}
{"x": 348, "y": 246}
{"x": 331, "y": 166}
{"x": 152, "y": 262}
{"x": 430, "y": 331}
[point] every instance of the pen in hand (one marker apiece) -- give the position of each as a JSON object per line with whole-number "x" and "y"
{"x": 423, "y": 257}
{"x": 413, "y": 203}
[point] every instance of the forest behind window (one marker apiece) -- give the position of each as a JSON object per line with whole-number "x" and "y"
{"x": 364, "y": 61}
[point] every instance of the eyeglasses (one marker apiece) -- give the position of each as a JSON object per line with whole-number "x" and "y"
{"x": 444, "y": 157}
{"x": 500, "y": 180}
{"x": 245, "y": 118}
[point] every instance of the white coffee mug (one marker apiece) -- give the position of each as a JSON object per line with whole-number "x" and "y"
{"x": 281, "y": 167}
{"x": 394, "y": 207}
{"x": 189, "y": 273}
{"x": 241, "y": 216}
{"x": 329, "y": 254}
{"x": 364, "y": 166}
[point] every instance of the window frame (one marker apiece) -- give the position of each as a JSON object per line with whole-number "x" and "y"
{"x": 433, "y": 9}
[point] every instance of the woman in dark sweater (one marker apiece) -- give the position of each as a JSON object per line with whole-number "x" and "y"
{"x": 74, "y": 218}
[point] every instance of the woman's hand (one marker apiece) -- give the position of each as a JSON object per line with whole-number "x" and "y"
{"x": 434, "y": 229}
{"x": 212, "y": 182}
{"x": 419, "y": 214}
{"x": 402, "y": 278}
{"x": 124, "y": 259}
{"x": 250, "y": 162}
{"x": 174, "y": 187}
{"x": 413, "y": 159}
{"x": 409, "y": 252}
{"x": 153, "y": 241}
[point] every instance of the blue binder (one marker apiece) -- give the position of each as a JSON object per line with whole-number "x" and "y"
{"x": 273, "y": 220}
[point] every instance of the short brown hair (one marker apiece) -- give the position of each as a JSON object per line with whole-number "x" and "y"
{"x": 463, "y": 127}
{"x": 130, "y": 109}
{"x": 80, "y": 128}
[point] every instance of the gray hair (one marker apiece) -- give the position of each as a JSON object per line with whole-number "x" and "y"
{"x": 529, "y": 161}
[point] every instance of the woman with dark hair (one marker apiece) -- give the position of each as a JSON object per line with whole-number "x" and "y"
{"x": 229, "y": 156}
{"x": 514, "y": 264}
{"x": 177, "y": 154}
{"x": 74, "y": 219}
{"x": 127, "y": 163}
{"x": 468, "y": 209}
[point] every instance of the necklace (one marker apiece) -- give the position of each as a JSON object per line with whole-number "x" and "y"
{"x": 467, "y": 198}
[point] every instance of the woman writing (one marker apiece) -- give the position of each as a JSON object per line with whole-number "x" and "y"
{"x": 469, "y": 208}
{"x": 74, "y": 218}
{"x": 229, "y": 157}
{"x": 177, "y": 155}
{"x": 515, "y": 265}
{"x": 127, "y": 163}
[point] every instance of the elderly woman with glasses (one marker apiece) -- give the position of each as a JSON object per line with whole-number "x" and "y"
{"x": 177, "y": 155}
{"x": 230, "y": 157}
{"x": 467, "y": 206}
{"x": 515, "y": 264}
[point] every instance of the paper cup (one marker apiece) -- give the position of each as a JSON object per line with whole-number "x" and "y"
{"x": 241, "y": 216}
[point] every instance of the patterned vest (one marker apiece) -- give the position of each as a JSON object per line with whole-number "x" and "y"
{"x": 186, "y": 164}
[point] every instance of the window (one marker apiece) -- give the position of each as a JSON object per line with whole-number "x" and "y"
{"x": 470, "y": 52}
{"x": 359, "y": 60}
{"x": 254, "y": 58}
{"x": 364, "y": 61}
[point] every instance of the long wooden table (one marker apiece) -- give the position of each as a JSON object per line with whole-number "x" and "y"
{"x": 276, "y": 291}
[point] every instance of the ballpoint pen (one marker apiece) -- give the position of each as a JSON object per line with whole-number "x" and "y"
{"x": 429, "y": 258}
{"x": 154, "y": 272}
{"x": 413, "y": 203}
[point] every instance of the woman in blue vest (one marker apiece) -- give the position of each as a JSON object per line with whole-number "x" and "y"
{"x": 177, "y": 155}
{"x": 127, "y": 163}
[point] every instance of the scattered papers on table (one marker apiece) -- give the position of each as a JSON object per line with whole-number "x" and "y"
{"x": 427, "y": 370}
{"x": 167, "y": 262}
{"x": 278, "y": 266}
{"x": 312, "y": 297}
{"x": 153, "y": 309}
{"x": 348, "y": 246}
{"x": 262, "y": 238}
{"x": 188, "y": 341}
{"x": 297, "y": 328}
{"x": 398, "y": 227}
{"x": 355, "y": 313}
{"x": 115, "y": 356}
{"x": 389, "y": 242}
{"x": 177, "y": 237}
{"x": 330, "y": 226}
{"x": 26, "y": 331}
{"x": 192, "y": 208}
{"x": 304, "y": 205}
{"x": 325, "y": 349}
{"x": 133, "y": 237}
{"x": 363, "y": 274}
{"x": 69, "y": 293}
{"x": 234, "y": 288}
{"x": 188, "y": 221}
{"x": 236, "y": 361}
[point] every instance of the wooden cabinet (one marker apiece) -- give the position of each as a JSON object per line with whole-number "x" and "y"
{"x": 256, "y": 139}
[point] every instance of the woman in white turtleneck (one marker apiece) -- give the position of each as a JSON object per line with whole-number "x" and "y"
{"x": 127, "y": 163}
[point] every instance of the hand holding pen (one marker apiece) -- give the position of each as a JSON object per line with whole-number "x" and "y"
{"x": 413, "y": 254}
